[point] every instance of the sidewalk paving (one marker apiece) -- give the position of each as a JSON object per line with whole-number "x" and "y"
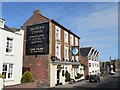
{"x": 71, "y": 85}
{"x": 77, "y": 83}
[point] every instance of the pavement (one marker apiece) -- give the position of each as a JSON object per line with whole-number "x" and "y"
{"x": 78, "y": 83}
{"x": 71, "y": 85}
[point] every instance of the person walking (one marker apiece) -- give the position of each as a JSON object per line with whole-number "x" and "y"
{"x": 98, "y": 77}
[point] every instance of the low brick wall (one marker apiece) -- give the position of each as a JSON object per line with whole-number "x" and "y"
{"x": 28, "y": 85}
{"x": 24, "y": 85}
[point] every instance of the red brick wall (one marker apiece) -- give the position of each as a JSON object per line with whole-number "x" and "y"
{"x": 69, "y": 56}
{"x": 79, "y": 49}
{"x": 84, "y": 60}
{"x": 38, "y": 65}
{"x": 53, "y": 39}
{"x": 62, "y": 43}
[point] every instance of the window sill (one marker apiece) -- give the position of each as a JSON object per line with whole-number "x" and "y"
{"x": 9, "y": 54}
{"x": 7, "y": 80}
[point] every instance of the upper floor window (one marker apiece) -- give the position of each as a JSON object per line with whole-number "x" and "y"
{"x": 58, "y": 51}
{"x": 9, "y": 45}
{"x": 71, "y": 40}
{"x": 89, "y": 64}
{"x": 76, "y": 41}
{"x": 7, "y": 71}
{"x": 66, "y": 52}
{"x": 65, "y": 36}
{"x": 92, "y": 64}
{"x": 58, "y": 32}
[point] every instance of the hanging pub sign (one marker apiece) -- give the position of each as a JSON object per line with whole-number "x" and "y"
{"x": 75, "y": 51}
{"x": 37, "y": 39}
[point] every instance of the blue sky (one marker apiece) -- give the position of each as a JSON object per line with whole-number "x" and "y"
{"x": 95, "y": 22}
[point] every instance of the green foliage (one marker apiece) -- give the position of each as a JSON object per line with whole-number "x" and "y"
{"x": 78, "y": 76}
{"x": 1, "y": 76}
{"x": 27, "y": 77}
{"x": 67, "y": 76}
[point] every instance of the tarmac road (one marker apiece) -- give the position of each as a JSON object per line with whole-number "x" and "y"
{"x": 112, "y": 81}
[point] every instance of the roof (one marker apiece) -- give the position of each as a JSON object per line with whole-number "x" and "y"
{"x": 92, "y": 51}
{"x": 38, "y": 18}
{"x": 85, "y": 50}
{"x": 7, "y": 28}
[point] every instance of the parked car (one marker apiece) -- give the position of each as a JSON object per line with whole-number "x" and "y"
{"x": 94, "y": 78}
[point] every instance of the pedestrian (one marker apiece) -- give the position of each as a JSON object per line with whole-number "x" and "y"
{"x": 98, "y": 77}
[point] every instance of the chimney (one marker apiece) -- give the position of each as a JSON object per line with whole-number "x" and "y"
{"x": 36, "y": 12}
{"x": 2, "y": 23}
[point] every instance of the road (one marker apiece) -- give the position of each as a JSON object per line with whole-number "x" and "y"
{"x": 112, "y": 81}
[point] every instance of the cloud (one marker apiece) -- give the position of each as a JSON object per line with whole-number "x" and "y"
{"x": 99, "y": 20}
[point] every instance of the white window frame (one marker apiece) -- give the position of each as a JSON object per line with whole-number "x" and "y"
{"x": 8, "y": 71}
{"x": 89, "y": 64}
{"x": 58, "y": 51}
{"x": 71, "y": 39}
{"x": 76, "y": 41}
{"x": 66, "y": 52}
{"x": 57, "y": 32}
{"x": 9, "y": 45}
{"x": 66, "y": 36}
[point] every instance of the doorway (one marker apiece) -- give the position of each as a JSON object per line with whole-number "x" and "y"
{"x": 58, "y": 77}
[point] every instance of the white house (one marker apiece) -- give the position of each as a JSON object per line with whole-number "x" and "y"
{"x": 92, "y": 61}
{"x": 94, "y": 67}
{"x": 11, "y": 54}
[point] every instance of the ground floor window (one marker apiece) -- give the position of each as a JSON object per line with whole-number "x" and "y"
{"x": 7, "y": 71}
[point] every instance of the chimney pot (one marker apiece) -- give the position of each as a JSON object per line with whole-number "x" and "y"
{"x": 36, "y": 12}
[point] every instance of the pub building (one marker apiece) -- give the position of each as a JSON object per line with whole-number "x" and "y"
{"x": 51, "y": 51}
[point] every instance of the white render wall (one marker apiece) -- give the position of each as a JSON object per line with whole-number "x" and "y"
{"x": 1, "y": 83}
{"x": 94, "y": 68}
{"x": 15, "y": 58}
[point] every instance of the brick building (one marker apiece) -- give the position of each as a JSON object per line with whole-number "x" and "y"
{"x": 89, "y": 58}
{"x": 52, "y": 57}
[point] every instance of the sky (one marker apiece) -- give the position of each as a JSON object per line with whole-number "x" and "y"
{"x": 95, "y": 22}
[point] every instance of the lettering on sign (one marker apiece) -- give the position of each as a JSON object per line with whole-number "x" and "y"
{"x": 37, "y": 39}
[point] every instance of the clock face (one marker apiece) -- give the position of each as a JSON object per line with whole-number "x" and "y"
{"x": 74, "y": 50}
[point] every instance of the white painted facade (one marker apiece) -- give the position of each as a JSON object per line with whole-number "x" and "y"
{"x": 1, "y": 83}
{"x": 11, "y": 54}
{"x": 93, "y": 62}
{"x": 95, "y": 67}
